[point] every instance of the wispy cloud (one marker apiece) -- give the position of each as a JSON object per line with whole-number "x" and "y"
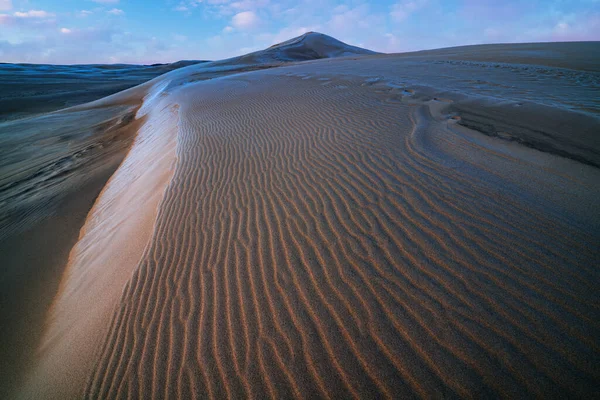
{"x": 33, "y": 14}
{"x": 24, "y": 19}
{"x": 5, "y": 5}
{"x": 403, "y": 9}
{"x": 245, "y": 20}
{"x": 245, "y": 5}
{"x": 223, "y": 28}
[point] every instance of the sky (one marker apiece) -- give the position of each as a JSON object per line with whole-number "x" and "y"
{"x": 152, "y": 31}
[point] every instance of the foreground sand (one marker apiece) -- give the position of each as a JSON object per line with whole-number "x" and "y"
{"x": 327, "y": 229}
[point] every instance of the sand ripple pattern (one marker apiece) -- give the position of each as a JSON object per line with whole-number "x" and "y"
{"x": 310, "y": 246}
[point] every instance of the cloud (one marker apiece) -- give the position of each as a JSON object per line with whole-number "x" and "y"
{"x": 226, "y": 8}
{"x": 116, "y": 11}
{"x": 212, "y": 2}
{"x": 492, "y": 33}
{"x": 36, "y": 19}
{"x": 285, "y": 34}
{"x": 52, "y": 46}
{"x": 403, "y": 9}
{"x": 245, "y": 25}
{"x": 33, "y": 14}
{"x": 388, "y": 43}
{"x": 5, "y": 5}
{"x": 349, "y": 19}
{"x": 359, "y": 26}
{"x": 583, "y": 28}
{"x": 245, "y": 5}
{"x": 245, "y": 20}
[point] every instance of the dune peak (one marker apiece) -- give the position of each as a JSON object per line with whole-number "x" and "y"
{"x": 310, "y": 46}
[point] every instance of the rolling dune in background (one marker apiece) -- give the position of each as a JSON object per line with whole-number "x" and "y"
{"x": 334, "y": 229}
{"x": 30, "y": 89}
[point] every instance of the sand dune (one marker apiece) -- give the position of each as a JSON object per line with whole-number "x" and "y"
{"x": 51, "y": 170}
{"x": 33, "y": 89}
{"x": 331, "y": 229}
{"x": 110, "y": 246}
{"x": 581, "y": 56}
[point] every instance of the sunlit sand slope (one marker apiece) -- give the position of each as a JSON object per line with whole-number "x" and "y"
{"x": 323, "y": 237}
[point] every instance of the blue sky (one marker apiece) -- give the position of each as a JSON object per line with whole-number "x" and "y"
{"x": 149, "y": 31}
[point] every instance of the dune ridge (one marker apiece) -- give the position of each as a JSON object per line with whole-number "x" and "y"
{"x": 110, "y": 245}
{"x": 313, "y": 246}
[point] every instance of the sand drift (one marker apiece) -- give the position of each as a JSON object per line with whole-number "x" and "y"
{"x": 355, "y": 225}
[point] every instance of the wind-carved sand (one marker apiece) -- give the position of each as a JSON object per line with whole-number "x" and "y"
{"x": 114, "y": 235}
{"x": 331, "y": 229}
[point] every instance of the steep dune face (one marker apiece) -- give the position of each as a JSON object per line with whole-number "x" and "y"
{"x": 110, "y": 246}
{"x": 52, "y": 169}
{"x": 330, "y": 229}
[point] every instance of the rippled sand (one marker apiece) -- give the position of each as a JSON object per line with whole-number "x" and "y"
{"x": 331, "y": 229}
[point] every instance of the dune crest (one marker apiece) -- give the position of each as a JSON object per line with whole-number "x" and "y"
{"x": 111, "y": 244}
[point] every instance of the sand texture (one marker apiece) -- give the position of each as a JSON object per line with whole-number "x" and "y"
{"x": 354, "y": 227}
{"x": 51, "y": 170}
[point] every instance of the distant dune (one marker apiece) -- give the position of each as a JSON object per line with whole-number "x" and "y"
{"x": 29, "y": 89}
{"x": 581, "y": 56}
{"x": 315, "y": 220}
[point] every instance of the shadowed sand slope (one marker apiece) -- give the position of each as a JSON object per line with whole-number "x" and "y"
{"x": 111, "y": 244}
{"x": 28, "y": 89}
{"x": 331, "y": 229}
{"x": 52, "y": 168}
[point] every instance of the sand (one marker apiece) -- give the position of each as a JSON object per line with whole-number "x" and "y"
{"x": 111, "y": 243}
{"x": 332, "y": 228}
{"x": 33, "y": 262}
{"x": 34, "y": 89}
{"x": 51, "y": 170}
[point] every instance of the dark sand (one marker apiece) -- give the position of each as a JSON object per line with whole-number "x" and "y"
{"x": 30, "y": 89}
{"x": 52, "y": 169}
{"x": 33, "y": 263}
